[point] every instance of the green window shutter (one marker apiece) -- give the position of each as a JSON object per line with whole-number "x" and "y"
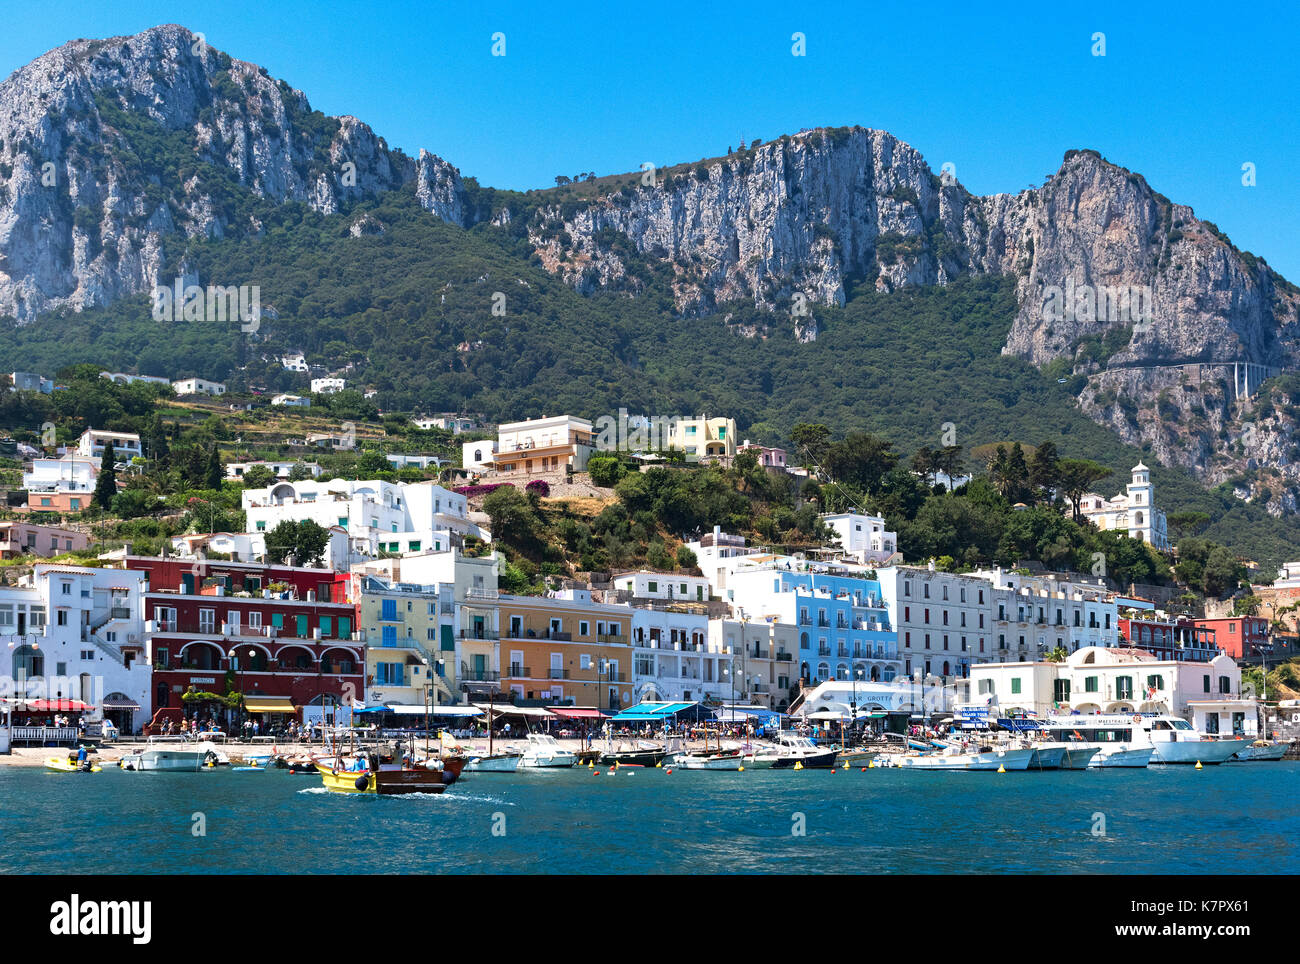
{"x": 448, "y": 639}
{"x": 277, "y": 620}
{"x": 326, "y": 625}
{"x": 345, "y": 627}
{"x": 302, "y": 626}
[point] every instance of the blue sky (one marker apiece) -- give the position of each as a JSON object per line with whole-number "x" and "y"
{"x": 1185, "y": 97}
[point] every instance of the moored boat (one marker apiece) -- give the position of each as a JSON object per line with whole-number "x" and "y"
{"x": 65, "y": 764}
{"x": 169, "y": 759}
{"x": 1262, "y": 750}
{"x": 727, "y": 759}
{"x": 790, "y": 750}
{"x": 955, "y": 757}
{"x": 641, "y": 754}
{"x": 545, "y": 752}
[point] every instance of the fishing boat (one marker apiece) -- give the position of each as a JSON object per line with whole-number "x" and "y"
{"x": 545, "y": 752}
{"x": 366, "y": 774}
{"x": 643, "y": 753}
{"x": 790, "y": 749}
{"x": 1076, "y": 757}
{"x": 1262, "y": 750}
{"x": 1047, "y": 756}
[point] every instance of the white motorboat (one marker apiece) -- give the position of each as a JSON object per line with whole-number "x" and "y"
{"x": 726, "y": 759}
{"x": 177, "y": 759}
{"x": 1122, "y": 755}
{"x": 1262, "y": 750}
{"x": 789, "y": 750}
{"x": 500, "y": 762}
{"x": 955, "y": 756}
{"x": 1076, "y": 756}
{"x": 544, "y": 751}
{"x": 1047, "y": 756}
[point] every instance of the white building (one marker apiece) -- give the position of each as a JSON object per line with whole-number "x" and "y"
{"x": 66, "y": 474}
{"x": 77, "y": 633}
{"x": 126, "y": 445}
{"x": 1288, "y": 577}
{"x": 540, "y": 445}
{"x": 1133, "y": 512}
{"x": 1034, "y": 614}
{"x": 477, "y": 456}
{"x": 666, "y": 586}
{"x": 456, "y": 424}
{"x": 236, "y": 470}
{"x": 393, "y": 517}
{"x": 943, "y": 619}
{"x": 327, "y": 386}
{"x": 864, "y": 537}
{"x": 674, "y": 659}
{"x": 1120, "y": 680}
{"x": 291, "y": 401}
{"x": 764, "y": 654}
{"x": 294, "y": 361}
{"x": 198, "y": 386}
{"x": 415, "y": 461}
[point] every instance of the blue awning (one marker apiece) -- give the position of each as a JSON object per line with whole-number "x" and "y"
{"x": 651, "y": 711}
{"x": 1018, "y": 726}
{"x": 371, "y": 709}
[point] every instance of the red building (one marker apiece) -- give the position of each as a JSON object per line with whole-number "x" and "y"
{"x": 1238, "y": 636}
{"x": 1164, "y": 638}
{"x": 292, "y": 632}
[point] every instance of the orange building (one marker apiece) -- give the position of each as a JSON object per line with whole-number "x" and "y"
{"x": 566, "y": 649}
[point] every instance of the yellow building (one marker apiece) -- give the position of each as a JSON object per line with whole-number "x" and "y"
{"x": 704, "y": 437}
{"x": 410, "y": 640}
{"x": 566, "y": 649}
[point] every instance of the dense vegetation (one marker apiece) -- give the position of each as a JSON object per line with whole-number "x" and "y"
{"x": 409, "y": 303}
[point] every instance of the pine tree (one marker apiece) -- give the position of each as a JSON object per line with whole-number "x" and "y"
{"x": 106, "y": 484}
{"x": 212, "y": 474}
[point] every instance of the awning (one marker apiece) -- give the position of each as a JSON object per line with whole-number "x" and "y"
{"x": 1017, "y": 726}
{"x": 652, "y": 711}
{"x": 269, "y": 704}
{"x": 56, "y": 706}
{"x": 535, "y": 712}
{"x": 577, "y": 712}
{"x": 120, "y": 704}
{"x": 418, "y": 709}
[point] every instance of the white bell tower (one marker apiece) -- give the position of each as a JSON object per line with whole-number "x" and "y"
{"x": 1140, "y": 504}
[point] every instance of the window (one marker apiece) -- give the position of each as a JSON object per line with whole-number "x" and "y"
{"x": 584, "y": 627}
{"x": 1015, "y": 684}
{"x": 1090, "y": 684}
{"x": 1124, "y": 687}
{"x": 652, "y": 587}
{"x": 1061, "y": 690}
{"x": 1225, "y": 685}
{"x": 62, "y": 617}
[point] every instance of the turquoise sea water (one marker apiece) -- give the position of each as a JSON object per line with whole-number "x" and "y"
{"x": 1236, "y": 818}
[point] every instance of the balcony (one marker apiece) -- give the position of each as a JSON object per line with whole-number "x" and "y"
{"x": 393, "y": 618}
{"x": 491, "y": 594}
{"x": 554, "y": 673}
{"x": 483, "y": 635}
{"x": 614, "y": 638}
{"x": 519, "y": 671}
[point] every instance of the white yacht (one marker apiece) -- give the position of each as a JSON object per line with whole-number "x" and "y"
{"x": 1170, "y": 739}
{"x": 545, "y": 752}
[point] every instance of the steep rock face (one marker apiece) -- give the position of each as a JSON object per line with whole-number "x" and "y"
{"x": 1128, "y": 293}
{"x": 802, "y": 214}
{"x": 108, "y": 148}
